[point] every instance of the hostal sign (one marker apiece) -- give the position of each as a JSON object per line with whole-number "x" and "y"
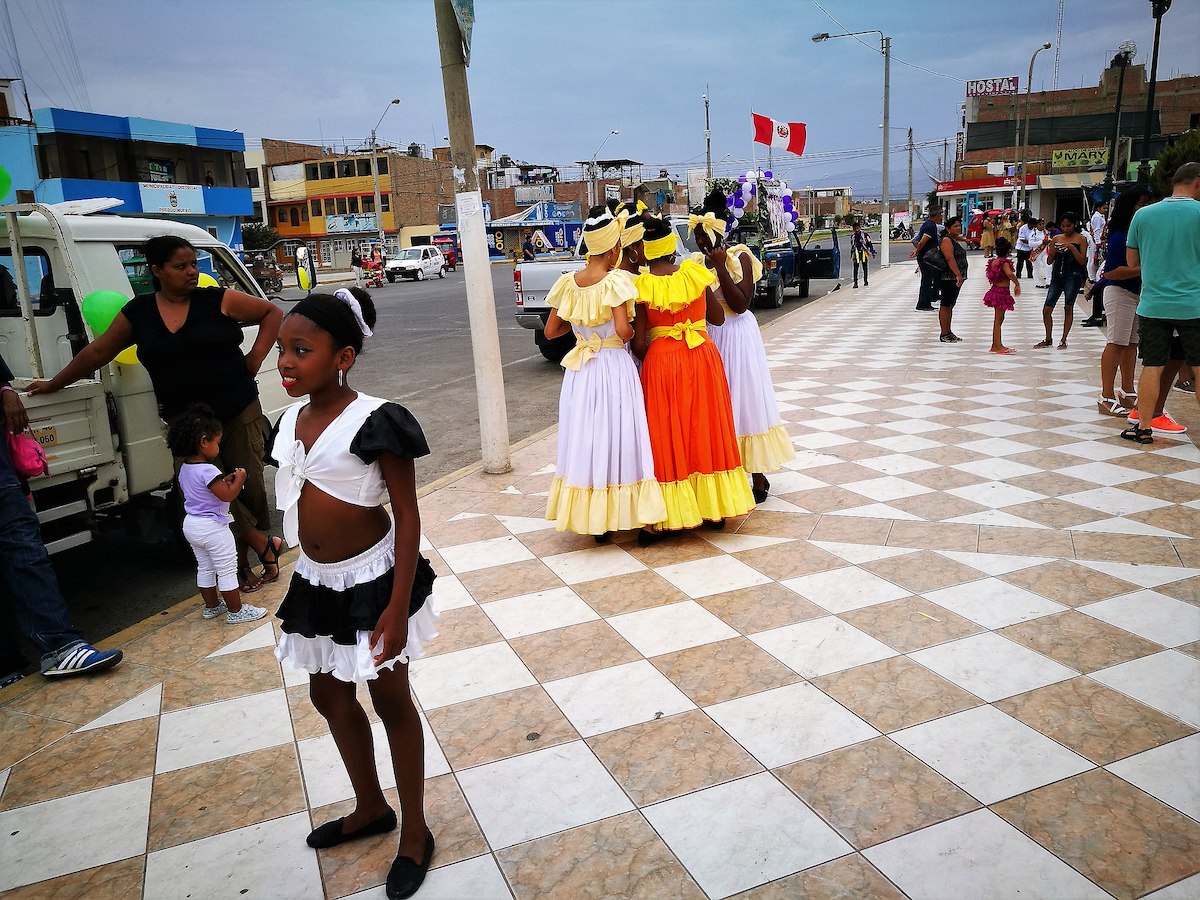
{"x": 992, "y": 87}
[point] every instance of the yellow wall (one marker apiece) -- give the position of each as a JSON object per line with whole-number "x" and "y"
{"x": 360, "y": 185}
{"x": 408, "y": 232}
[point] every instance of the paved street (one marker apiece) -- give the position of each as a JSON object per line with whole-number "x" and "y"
{"x": 421, "y": 357}
{"x": 955, "y": 655}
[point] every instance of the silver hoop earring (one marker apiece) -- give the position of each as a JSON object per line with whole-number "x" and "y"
{"x": 341, "y": 377}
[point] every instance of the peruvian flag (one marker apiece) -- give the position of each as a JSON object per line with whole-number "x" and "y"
{"x": 787, "y": 136}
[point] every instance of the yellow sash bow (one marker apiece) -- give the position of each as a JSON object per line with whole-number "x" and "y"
{"x": 587, "y": 347}
{"x": 689, "y": 331}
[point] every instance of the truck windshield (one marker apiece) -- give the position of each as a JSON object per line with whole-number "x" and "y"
{"x": 218, "y": 263}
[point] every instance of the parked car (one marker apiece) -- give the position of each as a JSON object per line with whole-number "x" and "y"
{"x": 417, "y": 263}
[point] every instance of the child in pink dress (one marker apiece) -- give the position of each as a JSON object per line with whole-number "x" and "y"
{"x": 999, "y": 274}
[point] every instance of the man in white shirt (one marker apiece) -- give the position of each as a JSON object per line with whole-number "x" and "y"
{"x": 1096, "y": 238}
{"x": 1025, "y": 247}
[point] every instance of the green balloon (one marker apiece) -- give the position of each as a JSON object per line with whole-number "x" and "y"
{"x": 5, "y": 183}
{"x": 100, "y": 308}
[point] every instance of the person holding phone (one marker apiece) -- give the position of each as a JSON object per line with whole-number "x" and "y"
{"x": 1067, "y": 257}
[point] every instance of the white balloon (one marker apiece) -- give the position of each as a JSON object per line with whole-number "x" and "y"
{"x": 791, "y": 226}
{"x": 751, "y": 175}
{"x": 738, "y": 212}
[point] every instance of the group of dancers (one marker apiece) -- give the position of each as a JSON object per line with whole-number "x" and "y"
{"x": 689, "y": 439}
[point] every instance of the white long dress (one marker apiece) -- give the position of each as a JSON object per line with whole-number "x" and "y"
{"x": 762, "y": 437}
{"x": 604, "y": 476}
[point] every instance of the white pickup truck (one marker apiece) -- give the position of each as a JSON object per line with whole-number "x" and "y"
{"x": 103, "y": 437}
{"x": 533, "y": 280}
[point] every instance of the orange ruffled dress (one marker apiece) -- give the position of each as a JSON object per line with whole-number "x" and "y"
{"x": 692, "y": 435}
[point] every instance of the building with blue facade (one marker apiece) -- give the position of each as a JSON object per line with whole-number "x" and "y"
{"x": 158, "y": 169}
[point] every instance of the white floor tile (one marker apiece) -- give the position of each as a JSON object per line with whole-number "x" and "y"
{"x": 595, "y": 562}
{"x": 675, "y": 626}
{"x": 820, "y": 646}
{"x": 714, "y": 575}
{"x": 875, "y": 511}
{"x": 1118, "y": 525}
{"x": 988, "y": 754}
{"x": 143, "y": 706}
{"x": 897, "y": 464}
{"x": 993, "y": 603}
{"x": 1170, "y": 772}
{"x": 1141, "y": 575}
{"x": 484, "y": 554}
{"x": 978, "y": 855}
{"x": 1096, "y": 451}
{"x": 998, "y": 446}
{"x": 992, "y": 667}
{"x": 1169, "y": 681}
{"x": 905, "y": 443}
{"x": 261, "y": 861}
{"x": 541, "y": 611}
{"x": 992, "y": 563}
{"x": 1114, "y": 501}
{"x": 732, "y": 542}
{"x": 77, "y": 832}
{"x": 616, "y": 697}
{"x": 200, "y": 734}
{"x": 996, "y": 469}
{"x": 1188, "y": 889}
{"x": 887, "y": 488}
{"x": 1103, "y": 473}
{"x": 468, "y": 675}
{"x": 773, "y": 832}
{"x": 262, "y": 636}
{"x": 539, "y": 793}
{"x": 525, "y": 524}
{"x": 997, "y": 517}
{"x": 841, "y": 590}
{"x": 791, "y": 482}
{"x": 785, "y": 724}
{"x": 449, "y": 593}
{"x": 1151, "y": 615}
{"x": 995, "y": 494}
{"x": 860, "y": 553}
{"x": 811, "y": 459}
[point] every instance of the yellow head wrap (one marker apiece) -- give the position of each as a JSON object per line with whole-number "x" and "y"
{"x": 603, "y": 237}
{"x": 712, "y": 226}
{"x": 663, "y": 246}
{"x": 632, "y": 231}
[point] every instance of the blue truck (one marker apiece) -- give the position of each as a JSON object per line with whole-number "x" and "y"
{"x": 792, "y": 261}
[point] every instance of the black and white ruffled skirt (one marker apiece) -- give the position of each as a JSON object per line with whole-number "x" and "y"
{"x": 331, "y": 609}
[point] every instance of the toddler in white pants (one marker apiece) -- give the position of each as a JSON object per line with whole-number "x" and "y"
{"x": 207, "y": 492}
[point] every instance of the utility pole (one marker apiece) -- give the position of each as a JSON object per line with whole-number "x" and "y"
{"x": 481, "y": 301}
{"x": 885, "y": 224}
{"x": 910, "y": 153}
{"x": 946, "y": 158}
{"x": 707, "y": 139}
{"x": 1159, "y": 9}
{"x": 375, "y": 175}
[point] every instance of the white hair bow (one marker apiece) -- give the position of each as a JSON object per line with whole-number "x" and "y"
{"x": 348, "y": 298}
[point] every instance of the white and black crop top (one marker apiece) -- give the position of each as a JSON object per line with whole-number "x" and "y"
{"x": 344, "y": 460}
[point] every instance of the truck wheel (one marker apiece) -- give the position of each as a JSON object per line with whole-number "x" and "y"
{"x": 774, "y": 296}
{"x": 803, "y": 288}
{"x": 554, "y": 350}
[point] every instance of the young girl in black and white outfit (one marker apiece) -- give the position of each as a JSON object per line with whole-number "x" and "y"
{"x": 358, "y": 602}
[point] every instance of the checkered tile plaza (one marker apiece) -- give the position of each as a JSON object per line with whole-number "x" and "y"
{"x": 955, "y": 655}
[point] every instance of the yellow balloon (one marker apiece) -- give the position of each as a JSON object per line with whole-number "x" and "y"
{"x": 128, "y": 356}
{"x": 207, "y": 280}
{"x": 302, "y": 277}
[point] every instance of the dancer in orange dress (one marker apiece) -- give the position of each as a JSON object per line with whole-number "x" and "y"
{"x": 696, "y": 457}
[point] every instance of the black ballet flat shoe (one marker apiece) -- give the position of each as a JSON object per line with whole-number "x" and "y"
{"x": 648, "y": 538}
{"x": 718, "y": 525}
{"x": 760, "y": 496}
{"x": 330, "y": 834}
{"x": 405, "y": 876}
{"x": 603, "y": 538}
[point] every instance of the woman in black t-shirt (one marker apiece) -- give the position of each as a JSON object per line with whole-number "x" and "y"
{"x": 189, "y": 339}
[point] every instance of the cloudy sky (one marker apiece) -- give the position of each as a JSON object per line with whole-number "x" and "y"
{"x": 551, "y": 78}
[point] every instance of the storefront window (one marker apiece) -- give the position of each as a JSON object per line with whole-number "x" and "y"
{"x": 327, "y": 170}
{"x": 364, "y": 167}
{"x": 341, "y": 206}
{"x": 352, "y": 205}
{"x": 368, "y": 204}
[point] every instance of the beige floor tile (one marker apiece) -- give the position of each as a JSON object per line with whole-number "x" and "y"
{"x": 922, "y": 571}
{"x": 1055, "y": 513}
{"x": 823, "y": 500}
{"x": 1051, "y": 484}
{"x": 511, "y": 505}
{"x": 934, "y": 536}
{"x": 193, "y": 803}
{"x": 1044, "y": 439}
{"x": 533, "y": 484}
{"x": 851, "y": 452}
{"x": 937, "y": 507}
{"x": 549, "y": 542}
{"x": 628, "y": 593}
{"x": 672, "y": 756}
{"x": 24, "y": 735}
{"x": 1082, "y": 642}
{"x": 1069, "y": 583}
{"x": 461, "y": 629}
{"x": 439, "y": 565}
{"x": 617, "y": 857}
{"x": 83, "y": 762}
{"x": 306, "y": 721}
{"x": 573, "y": 650}
{"x": 847, "y": 878}
{"x": 1126, "y": 548}
{"x": 844, "y": 472}
{"x": 222, "y": 678}
{"x": 950, "y": 456}
{"x": 1025, "y": 541}
{"x": 119, "y": 879}
{"x": 80, "y": 701}
{"x": 183, "y": 641}
{"x": 852, "y": 530}
{"x": 500, "y": 726}
{"x": 464, "y": 531}
{"x": 1170, "y": 489}
{"x": 895, "y": 693}
{"x": 944, "y": 479}
{"x": 1096, "y": 722}
{"x": 678, "y": 548}
{"x": 1156, "y": 463}
{"x": 1046, "y": 460}
{"x": 1192, "y": 649}
{"x": 1188, "y": 552}
{"x": 1187, "y": 590}
{"x": 909, "y": 624}
{"x": 874, "y": 791}
{"x": 779, "y": 524}
{"x": 723, "y": 670}
{"x": 790, "y": 560}
{"x": 1182, "y": 520}
{"x": 442, "y": 505}
{"x": 1124, "y": 840}
{"x": 753, "y": 609}
{"x": 512, "y": 580}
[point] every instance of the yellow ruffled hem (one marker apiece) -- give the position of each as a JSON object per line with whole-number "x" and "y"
{"x": 766, "y": 452}
{"x": 620, "y": 507}
{"x": 671, "y": 293}
{"x": 706, "y": 497}
{"x": 591, "y": 306}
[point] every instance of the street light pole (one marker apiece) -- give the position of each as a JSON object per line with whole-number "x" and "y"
{"x": 375, "y": 174}
{"x": 594, "y": 199}
{"x": 1158, "y": 9}
{"x": 1122, "y": 60}
{"x": 707, "y": 138}
{"x": 1025, "y": 143}
{"x": 910, "y": 154}
{"x": 885, "y": 47}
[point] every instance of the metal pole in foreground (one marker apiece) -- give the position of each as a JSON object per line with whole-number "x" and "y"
{"x": 1159, "y": 9}
{"x": 885, "y": 234}
{"x": 910, "y": 153}
{"x": 1025, "y": 142}
{"x": 481, "y": 301}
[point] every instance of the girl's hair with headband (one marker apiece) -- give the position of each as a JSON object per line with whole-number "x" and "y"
{"x": 335, "y": 314}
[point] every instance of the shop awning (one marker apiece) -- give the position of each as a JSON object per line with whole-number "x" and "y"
{"x": 1069, "y": 181}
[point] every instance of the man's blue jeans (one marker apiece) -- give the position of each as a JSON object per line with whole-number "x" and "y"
{"x": 28, "y": 581}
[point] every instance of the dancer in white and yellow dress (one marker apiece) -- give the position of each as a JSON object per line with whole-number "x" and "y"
{"x": 762, "y": 437}
{"x": 604, "y": 479}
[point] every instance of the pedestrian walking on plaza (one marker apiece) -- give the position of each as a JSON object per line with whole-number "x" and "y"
{"x": 27, "y": 578}
{"x": 987, "y": 236}
{"x": 356, "y": 266}
{"x": 357, "y": 608}
{"x": 195, "y": 437}
{"x": 1163, "y": 245}
{"x": 1025, "y": 246}
{"x": 1095, "y": 233}
{"x": 1122, "y": 286}
{"x": 861, "y": 249}
{"x": 1067, "y": 256}
{"x": 1006, "y": 227}
{"x": 692, "y": 434}
{"x": 763, "y": 440}
{"x": 604, "y": 479}
{"x": 1040, "y": 239}
{"x": 999, "y": 274}
{"x": 952, "y": 277}
{"x": 929, "y": 235}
